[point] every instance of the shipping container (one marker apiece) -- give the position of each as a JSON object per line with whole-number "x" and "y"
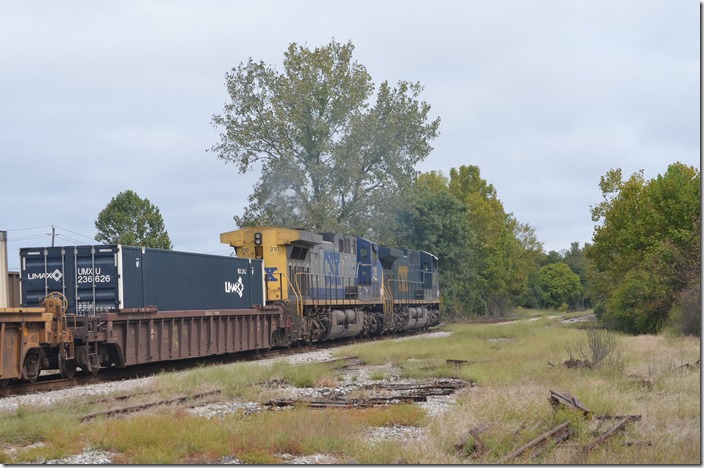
{"x": 101, "y": 278}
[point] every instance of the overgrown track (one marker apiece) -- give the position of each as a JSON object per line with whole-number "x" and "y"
{"x": 53, "y": 382}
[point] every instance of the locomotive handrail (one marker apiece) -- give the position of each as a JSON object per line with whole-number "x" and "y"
{"x": 388, "y": 296}
{"x": 408, "y": 296}
{"x": 324, "y": 294}
{"x": 298, "y": 294}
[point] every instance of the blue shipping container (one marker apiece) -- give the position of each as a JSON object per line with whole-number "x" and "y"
{"x": 98, "y": 278}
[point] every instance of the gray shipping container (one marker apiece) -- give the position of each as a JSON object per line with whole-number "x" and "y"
{"x": 99, "y": 278}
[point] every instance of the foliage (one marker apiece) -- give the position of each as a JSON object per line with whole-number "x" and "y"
{"x": 327, "y": 154}
{"x": 506, "y": 250}
{"x": 558, "y": 286}
{"x": 647, "y": 250}
{"x": 437, "y": 222}
{"x": 687, "y": 314}
{"x": 575, "y": 257}
{"x": 131, "y": 220}
{"x": 486, "y": 256}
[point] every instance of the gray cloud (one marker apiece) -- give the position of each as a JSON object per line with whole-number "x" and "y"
{"x": 544, "y": 96}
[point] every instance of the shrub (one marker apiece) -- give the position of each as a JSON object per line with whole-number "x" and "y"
{"x": 598, "y": 347}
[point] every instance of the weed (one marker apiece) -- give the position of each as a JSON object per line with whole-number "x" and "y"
{"x": 598, "y": 347}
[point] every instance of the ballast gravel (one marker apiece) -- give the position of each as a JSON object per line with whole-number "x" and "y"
{"x": 53, "y": 397}
{"x": 353, "y": 379}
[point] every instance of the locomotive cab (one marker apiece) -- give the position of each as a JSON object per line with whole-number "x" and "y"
{"x": 286, "y": 254}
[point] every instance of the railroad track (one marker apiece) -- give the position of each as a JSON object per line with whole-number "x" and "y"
{"x": 54, "y": 382}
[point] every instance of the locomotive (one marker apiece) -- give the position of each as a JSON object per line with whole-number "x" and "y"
{"x": 92, "y": 307}
{"x": 342, "y": 286}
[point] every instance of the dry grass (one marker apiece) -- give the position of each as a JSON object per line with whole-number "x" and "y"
{"x": 651, "y": 382}
{"x": 514, "y": 364}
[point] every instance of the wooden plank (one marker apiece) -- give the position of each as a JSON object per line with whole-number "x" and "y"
{"x": 479, "y": 447}
{"x": 558, "y": 433}
{"x": 616, "y": 428}
{"x": 569, "y": 401}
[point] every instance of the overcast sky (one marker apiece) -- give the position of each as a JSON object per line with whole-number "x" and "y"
{"x": 543, "y": 96}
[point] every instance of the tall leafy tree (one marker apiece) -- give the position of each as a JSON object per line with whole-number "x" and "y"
{"x": 486, "y": 255}
{"x": 131, "y": 220}
{"x": 436, "y": 221}
{"x": 646, "y": 252}
{"x": 331, "y": 158}
{"x": 558, "y": 286}
{"x": 576, "y": 259}
{"x": 507, "y": 251}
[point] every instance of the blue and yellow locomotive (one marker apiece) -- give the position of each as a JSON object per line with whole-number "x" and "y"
{"x": 338, "y": 286}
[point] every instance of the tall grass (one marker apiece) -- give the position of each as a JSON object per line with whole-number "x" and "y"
{"x": 514, "y": 364}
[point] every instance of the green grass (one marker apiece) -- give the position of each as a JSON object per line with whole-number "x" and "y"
{"x": 515, "y": 366}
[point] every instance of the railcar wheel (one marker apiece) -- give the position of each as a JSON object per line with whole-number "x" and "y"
{"x": 32, "y": 366}
{"x": 67, "y": 368}
{"x": 91, "y": 371}
{"x": 4, "y": 383}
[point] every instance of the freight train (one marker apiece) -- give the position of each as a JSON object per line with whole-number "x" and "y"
{"x": 101, "y": 306}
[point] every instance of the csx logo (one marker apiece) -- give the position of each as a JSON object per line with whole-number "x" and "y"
{"x": 270, "y": 273}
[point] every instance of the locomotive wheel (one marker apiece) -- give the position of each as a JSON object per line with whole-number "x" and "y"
{"x": 4, "y": 383}
{"x": 32, "y": 366}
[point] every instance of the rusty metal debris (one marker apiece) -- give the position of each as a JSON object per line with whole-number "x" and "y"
{"x": 344, "y": 362}
{"x": 355, "y": 403}
{"x": 539, "y": 444}
{"x": 397, "y": 393}
{"x": 569, "y": 401}
{"x": 436, "y": 388}
{"x": 574, "y": 363}
{"x": 133, "y": 409}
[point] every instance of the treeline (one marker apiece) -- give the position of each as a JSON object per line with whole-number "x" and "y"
{"x": 641, "y": 272}
{"x": 490, "y": 262}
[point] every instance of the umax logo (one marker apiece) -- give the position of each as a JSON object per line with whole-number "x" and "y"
{"x": 237, "y": 288}
{"x": 56, "y": 275}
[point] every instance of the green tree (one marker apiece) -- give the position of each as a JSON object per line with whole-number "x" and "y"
{"x": 507, "y": 251}
{"x": 558, "y": 286}
{"x": 131, "y": 220}
{"x": 575, "y": 257}
{"x": 646, "y": 253}
{"x": 486, "y": 256}
{"x": 437, "y": 222}
{"x": 330, "y": 158}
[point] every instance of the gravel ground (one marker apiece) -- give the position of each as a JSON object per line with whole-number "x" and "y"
{"x": 354, "y": 378}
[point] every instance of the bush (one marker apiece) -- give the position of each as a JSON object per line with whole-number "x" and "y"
{"x": 598, "y": 347}
{"x": 686, "y": 316}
